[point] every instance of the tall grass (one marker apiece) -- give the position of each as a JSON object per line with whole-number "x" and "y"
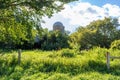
{"x": 65, "y": 64}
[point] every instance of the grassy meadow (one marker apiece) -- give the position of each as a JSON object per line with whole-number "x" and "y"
{"x": 65, "y": 64}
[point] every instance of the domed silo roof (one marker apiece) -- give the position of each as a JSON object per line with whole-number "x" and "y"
{"x": 58, "y": 26}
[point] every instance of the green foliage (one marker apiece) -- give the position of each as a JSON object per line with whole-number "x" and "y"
{"x": 115, "y": 44}
{"x": 54, "y": 40}
{"x": 14, "y": 34}
{"x": 98, "y": 33}
{"x": 67, "y": 53}
{"x": 59, "y": 77}
{"x": 20, "y": 21}
{"x": 38, "y": 65}
{"x": 95, "y": 76}
{"x": 38, "y": 6}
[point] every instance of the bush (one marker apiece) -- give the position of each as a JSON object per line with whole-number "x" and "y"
{"x": 54, "y": 40}
{"x": 67, "y": 53}
{"x": 115, "y": 44}
{"x": 15, "y": 76}
{"x": 59, "y": 76}
{"x": 53, "y": 55}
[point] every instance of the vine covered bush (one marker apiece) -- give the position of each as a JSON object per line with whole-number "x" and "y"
{"x": 115, "y": 44}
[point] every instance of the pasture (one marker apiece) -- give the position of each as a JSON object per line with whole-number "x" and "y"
{"x": 65, "y": 64}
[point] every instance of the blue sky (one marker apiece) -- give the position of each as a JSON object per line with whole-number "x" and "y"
{"x": 82, "y": 12}
{"x": 102, "y": 2}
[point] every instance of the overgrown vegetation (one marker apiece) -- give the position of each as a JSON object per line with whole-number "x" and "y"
{"x": 78, "y": 56}
{"x": 115, "y": 44}
{"x": 40, "y": 65}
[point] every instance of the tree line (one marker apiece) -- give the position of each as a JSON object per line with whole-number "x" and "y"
{"x": 20, "y": 24}
{"x": 102, "y": 33}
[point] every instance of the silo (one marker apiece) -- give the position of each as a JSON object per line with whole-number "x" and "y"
{"x": 58, "y": 26}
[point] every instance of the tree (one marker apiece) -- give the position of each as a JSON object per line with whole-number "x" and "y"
{"x": 30, "y": 9}
{"x": 41, "y": 7}
{"x": 106, "y": 31}
{"x": 11, "y": 33}
{"x": 82, "y": 38}
{"x": 98, "y": 33}
{"x": 54, "y": 40}
{"x": 27, "y": 16}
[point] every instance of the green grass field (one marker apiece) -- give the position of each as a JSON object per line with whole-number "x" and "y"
{"x": 65, "y": 64}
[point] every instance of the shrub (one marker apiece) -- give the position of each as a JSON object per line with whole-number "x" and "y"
{"x": 15, "y": 76}
{"x": 59, "y": 76}
{"x": 67, "y": 53}
{"x": 115, "y": 44}
{"x": 53, "y": 54}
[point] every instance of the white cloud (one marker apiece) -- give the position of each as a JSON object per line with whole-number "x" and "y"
{"x": 58, "y": 17}
{"x": 112, "y": 10}
{"x": 81, "y": 14}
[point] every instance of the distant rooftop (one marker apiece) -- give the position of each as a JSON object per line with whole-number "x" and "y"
{"x": 59, "y": 24}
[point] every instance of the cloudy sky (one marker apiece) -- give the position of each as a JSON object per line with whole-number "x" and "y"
{"x": 82, "y": 12}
